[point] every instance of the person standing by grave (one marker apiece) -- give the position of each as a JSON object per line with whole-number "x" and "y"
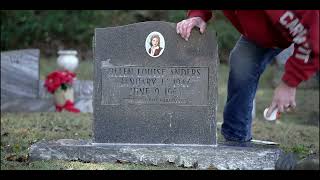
{"x": 264, "y": 34}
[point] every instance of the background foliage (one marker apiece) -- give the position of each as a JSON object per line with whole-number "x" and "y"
{"x": 51, "y": 30}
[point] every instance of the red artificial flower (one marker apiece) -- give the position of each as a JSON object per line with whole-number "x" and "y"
{"x": 55, "y": 79}
{"x": 68, "y": 106}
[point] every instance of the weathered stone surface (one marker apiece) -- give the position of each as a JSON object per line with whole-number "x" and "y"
{"x": 247, "y": 156}
{"x": 19, "y": 74}
{"x": 163, "y": 100}
{"x": 84, "y": 105}
{"x": 28, "y": 105}
{"x": 290, "y": 161}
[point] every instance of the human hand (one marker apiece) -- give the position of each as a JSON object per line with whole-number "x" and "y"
{"x": 283, "y": 99}
{"x": 184, "y": 27}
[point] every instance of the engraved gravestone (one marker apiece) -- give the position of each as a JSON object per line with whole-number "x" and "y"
{"x": 19, "y": 74}
{"x": 20, "y": 82}
{"x": 153, "y": 87}
{"x": 154, "y": 102}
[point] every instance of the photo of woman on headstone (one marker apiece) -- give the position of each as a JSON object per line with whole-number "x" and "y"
{"x": 155, "y": 44}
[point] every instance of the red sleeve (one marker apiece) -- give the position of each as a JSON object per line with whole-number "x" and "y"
{"x": 204, "y": 14}
{"x": 302, "y": 28}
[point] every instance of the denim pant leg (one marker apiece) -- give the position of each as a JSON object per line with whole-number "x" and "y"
{"x": 247, "y": 62}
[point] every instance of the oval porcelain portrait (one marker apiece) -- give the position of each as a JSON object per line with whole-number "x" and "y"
{"x": 155, "y": 44}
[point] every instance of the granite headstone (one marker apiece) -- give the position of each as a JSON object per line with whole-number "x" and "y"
{"x": 156, "y": 105}
{"x": 23, "y": 91}
{"x": 19, "y": 74}
{"x": 164, "y": 98}
{"x": 19, "y": 82}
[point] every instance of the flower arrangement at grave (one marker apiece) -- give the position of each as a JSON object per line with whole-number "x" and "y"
{"x": 59, "y": 83}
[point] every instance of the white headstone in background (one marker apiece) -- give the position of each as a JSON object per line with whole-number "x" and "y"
{"x": 19, "y": 74}
{"x": 284, "y": 55}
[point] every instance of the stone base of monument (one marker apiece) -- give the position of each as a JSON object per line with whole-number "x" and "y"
{"x": 220, "y": 157}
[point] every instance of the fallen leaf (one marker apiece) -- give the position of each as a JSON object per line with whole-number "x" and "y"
{"x": 121, "y": 161}
{"x": 5, "y": 134}
{"x": 22, "y": 158}
{"x": 58, "y": 129}
{"x": 23, "y": 130}
{"x": 211, "y": 167}
{"x": 11, "y": 157}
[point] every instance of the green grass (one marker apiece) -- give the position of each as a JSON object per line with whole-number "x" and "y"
{"x": 20, "y": 131}
{"x": 296, "y": 132}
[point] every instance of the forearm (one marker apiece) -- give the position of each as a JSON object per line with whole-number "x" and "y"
{"x": 302, "y": 28}
{"x": 204, "y": 14}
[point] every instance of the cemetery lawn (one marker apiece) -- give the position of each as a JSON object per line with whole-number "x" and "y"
{"x": 296, "y": 132}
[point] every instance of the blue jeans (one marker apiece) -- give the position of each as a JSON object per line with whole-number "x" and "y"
{"x": 247, "y": 62}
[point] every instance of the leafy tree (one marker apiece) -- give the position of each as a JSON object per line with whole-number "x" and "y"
{"x": 50, "y": 30}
